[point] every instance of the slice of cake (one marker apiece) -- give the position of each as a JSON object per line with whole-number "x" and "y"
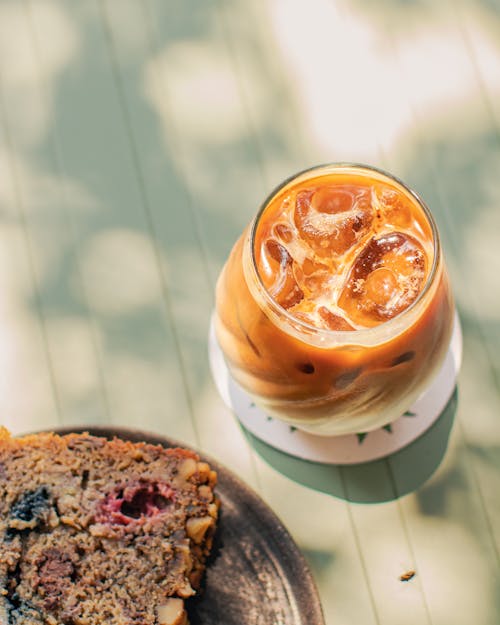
{"x": 96, "y": 531}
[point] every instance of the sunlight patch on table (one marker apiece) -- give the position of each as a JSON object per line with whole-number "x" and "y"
{"x": 341, "y": 75}
{"x": 29, "y": 82}
{"x": 325, "y": 535}
{"x": 388, "y": 555}
{"x": 195, "y": 91}
{"x": 483, "y": 262}
{"x": 37, "y": 208}
{"x": 148, "y": 395}
{"x": 432, "y": 76}
{"x": 447, "y": 554}
{"x": 220, "y": 433}
{"x": 310, "y": 531}
{"x": 73, "y": 357}
{"x": 192, "y": 81}
{"x": 353, "y": 96}
{"x": 190, "y": 285}
{"x": 40, "y": 190}
{"x": 477, "y": 388}
{"x": 120, "y": 272}
{"x": 26, "y": 398}
{"x": 483, "y": 34}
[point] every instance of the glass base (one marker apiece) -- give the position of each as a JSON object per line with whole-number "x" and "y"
{"x": 348, "y": 448}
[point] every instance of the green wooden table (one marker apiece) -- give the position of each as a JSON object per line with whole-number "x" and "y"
{"x": 137, "y": 138}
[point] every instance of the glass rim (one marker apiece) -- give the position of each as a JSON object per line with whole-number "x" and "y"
{"x": 356, "y": 333}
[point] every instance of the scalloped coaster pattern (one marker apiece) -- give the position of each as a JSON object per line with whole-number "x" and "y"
{"x": 345, "y": 449}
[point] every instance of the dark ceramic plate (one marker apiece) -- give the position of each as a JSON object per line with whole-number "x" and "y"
{"x": 257, "y": 575}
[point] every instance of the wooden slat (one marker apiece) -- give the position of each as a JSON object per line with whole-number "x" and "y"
{"x": 271, "y": 107}
{"x": 27, "y": 389}
{"x": 202, "y": 104}
{"x": 74, "y": 341}
{"x": 115, "y": 267}
{"x": 20, "y": 124}
{"x": 479, "y": 25}
{"x": 182, "y": 228}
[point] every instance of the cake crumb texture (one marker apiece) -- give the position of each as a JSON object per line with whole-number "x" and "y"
{"x": 96, "y": 531}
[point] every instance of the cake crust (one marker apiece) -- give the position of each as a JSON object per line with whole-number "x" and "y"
{"x": 99, "y": 531}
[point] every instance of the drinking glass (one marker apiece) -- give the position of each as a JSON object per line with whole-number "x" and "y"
{"x": 362, "y": 234}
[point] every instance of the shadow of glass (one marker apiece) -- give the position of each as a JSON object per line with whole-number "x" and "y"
{"x": 382, "y": 480}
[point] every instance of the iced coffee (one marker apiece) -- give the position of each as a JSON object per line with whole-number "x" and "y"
{"x": 334, "y": 309}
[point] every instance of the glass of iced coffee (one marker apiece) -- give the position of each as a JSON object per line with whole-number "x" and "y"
{"x": 334, "y": 309}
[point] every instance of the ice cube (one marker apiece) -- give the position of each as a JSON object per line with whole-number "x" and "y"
{"x": 394, "y": 207}
{"x": 278, "y": 277}
{"x": 319, "y": 316}
{"x": 312, "y": 277}
{"x": 331, "y": 321}
{"x": 283, "y": 232}
{"x": 385, "y": 278}
{"x": 332, "y": 218}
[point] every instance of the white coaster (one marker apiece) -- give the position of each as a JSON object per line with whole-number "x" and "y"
{"x": 349, "y": 448}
